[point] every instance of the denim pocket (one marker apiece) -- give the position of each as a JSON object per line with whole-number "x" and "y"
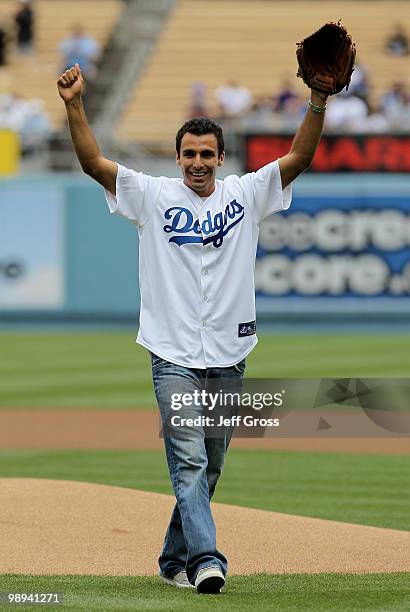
{"x": 240, "y": 367}
{"x": 156, "y": 361}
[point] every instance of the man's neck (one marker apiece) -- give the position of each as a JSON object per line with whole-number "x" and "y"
{"x": 201, "y": 194}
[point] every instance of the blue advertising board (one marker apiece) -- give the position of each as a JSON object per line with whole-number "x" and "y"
{"x": 349, "y": 246}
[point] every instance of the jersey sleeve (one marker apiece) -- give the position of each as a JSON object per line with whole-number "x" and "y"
{"x": 136, "y": 195}
{"x": 264, "y": 191}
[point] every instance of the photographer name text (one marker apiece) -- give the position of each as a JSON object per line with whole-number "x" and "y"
{"x": 233, "y": 421}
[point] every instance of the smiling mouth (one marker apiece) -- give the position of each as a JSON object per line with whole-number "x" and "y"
{"x": 197, "y": 174}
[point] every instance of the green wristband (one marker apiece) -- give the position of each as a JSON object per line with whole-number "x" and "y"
{"x": 317, "y": 109}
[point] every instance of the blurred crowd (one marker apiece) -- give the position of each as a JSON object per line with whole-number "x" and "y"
{"x": 232, "y": 103}
{"x": 354, "y": 110}
{"x": 17, "y": 30}
{"x": 24, "y": 115}
{"x": 27, "y": 117}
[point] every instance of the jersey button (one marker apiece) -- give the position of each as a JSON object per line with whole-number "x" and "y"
{"x": 203, "y": 323}
{"x": 206, "y": 298}
{"x": 205, "y": 272}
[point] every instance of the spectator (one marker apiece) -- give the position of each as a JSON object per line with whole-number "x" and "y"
{"x": 292, "y": 112}
{"x": 79, "y": 48}
{"x": 395, "y": 96}
{"x": 261, "y": 116}
{"x": 376, "y": 121}
{"x": 9, "y": 108}
{"x": 398, "y": 42}
{"x": 24, "y": 21}
{"x": 197, "y": 104}
{"x": 396, "y": 106}
{"x": 345, "y": 113}
{"x": 359, "y": 83}
{"x": 234, "y": 100}
{"x": 286, "y": 93}
{"x": 36, "y": 127}
{"x": 25, "y": 117}
{"x": 3, "y": 46}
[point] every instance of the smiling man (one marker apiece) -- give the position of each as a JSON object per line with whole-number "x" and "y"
{"x": 199, "y": 156}
{"x": 197, "y": 239}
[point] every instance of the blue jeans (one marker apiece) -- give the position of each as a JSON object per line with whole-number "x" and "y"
{"x": 195, "y": 464}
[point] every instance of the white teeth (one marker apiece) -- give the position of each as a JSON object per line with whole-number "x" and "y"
{"x": 198, "y": 173}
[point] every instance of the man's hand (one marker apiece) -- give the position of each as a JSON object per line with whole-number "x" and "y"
{"x": 70, "y": 84}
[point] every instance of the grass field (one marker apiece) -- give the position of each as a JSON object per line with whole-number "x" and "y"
{"x": 109, "y": 371}
{"x": 303, "y": 592}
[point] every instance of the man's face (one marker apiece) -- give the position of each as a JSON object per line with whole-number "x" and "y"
{"x": 199, "y": 160}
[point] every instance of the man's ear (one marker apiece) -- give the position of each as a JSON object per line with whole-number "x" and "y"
{"x": 221, "y": 159}
{"x": 177, "y": 160}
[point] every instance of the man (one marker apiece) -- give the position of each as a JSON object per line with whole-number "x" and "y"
{"x": 24, "y": 21}
{"x": 234, "y": 100}
{"x": 80, "y": 48}
{"x": 198, "y": 240}
{"x": 3, "y": 45}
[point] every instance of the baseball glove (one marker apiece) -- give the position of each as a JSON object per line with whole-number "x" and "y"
{"x": 326, "y": 58}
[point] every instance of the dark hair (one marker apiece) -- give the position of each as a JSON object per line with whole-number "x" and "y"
{"x": 199, "y": 126}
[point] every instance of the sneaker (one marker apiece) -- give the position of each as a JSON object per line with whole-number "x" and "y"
{"x": 179, "y": 580}
{"x": 209, "y": 580}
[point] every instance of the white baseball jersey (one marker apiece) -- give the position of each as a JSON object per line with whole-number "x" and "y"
{"x": 197, "y": 261}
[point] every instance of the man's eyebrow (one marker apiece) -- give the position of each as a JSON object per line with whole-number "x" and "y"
{"x": 185, "y": 151}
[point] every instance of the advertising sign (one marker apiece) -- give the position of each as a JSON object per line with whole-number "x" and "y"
{"x": 347, "y": 153}
{"x": 31, "y": 249}
{"x": 350, "y": 246}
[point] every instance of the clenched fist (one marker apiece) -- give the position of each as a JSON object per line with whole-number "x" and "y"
{"x": 71, "y": 84}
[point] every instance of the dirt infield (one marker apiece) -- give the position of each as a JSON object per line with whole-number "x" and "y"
{"x": 61, "y": 527}
{"x": 139, "y": 430}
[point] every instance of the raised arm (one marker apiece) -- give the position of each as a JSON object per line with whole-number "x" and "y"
{"x": 70, "y": 87}
{"x": 325, "y": 59}
{"x": 306, "y": 140}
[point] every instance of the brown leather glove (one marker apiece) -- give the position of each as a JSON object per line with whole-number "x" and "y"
{"x": 326, "y": 58}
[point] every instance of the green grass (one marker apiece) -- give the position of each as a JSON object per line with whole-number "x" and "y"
{"x": 261, "y": 592}
{"x": 109, "y": 371}
{"x": 363, "y": 489}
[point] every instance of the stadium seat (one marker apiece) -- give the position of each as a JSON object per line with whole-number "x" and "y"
{"x": 253, "y": 42}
